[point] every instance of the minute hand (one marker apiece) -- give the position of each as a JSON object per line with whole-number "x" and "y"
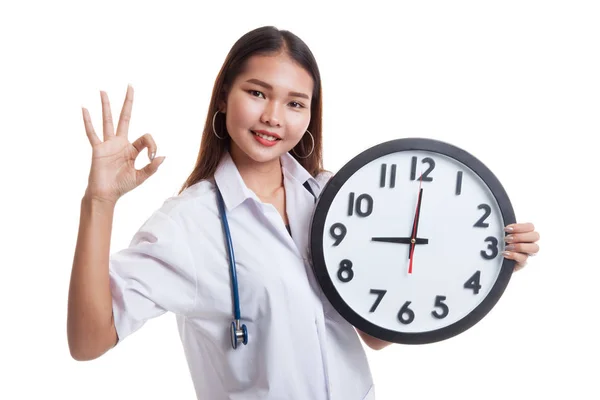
{"x": 415, "y": 226}
{"x": 402, "y": 240}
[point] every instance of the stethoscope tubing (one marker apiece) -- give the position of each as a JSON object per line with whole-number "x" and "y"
{"x": 239, "y": 332}
{"x": 234, "y": 281}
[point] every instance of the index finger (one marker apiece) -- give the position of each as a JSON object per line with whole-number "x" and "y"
{"x": 520, "y": 228}
{"x": 125, "y": 117}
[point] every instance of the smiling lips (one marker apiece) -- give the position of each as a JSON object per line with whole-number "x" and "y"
{"x": 266, "y": 138}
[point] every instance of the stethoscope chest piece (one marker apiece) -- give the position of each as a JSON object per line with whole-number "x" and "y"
{"x": 238, "y": 334}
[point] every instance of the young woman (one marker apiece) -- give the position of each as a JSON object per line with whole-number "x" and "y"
{"x": 261, "y": 155}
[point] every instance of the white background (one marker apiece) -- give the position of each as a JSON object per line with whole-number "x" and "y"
{"x": 516, "y": 83}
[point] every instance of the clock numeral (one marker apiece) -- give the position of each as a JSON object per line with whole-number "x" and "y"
{"x": 493, "y": 247}
{"x": 481, "y": 223}
{"x": 459, "y": 175}
{"x": 439, "y": 302}
{"x": 362, "y": 200}
{"x": 380, "y": 294}
{"x": 473, "y": 282}
{"x": 338, "y": 237}
{"x": 345, "y": 273}
{"x": 413, "y": 169}
{"x": 406, "y": 315}
{"x": 392, "y": 176}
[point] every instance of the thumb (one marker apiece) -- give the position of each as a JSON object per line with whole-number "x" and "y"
{"x": 149, "y": 169}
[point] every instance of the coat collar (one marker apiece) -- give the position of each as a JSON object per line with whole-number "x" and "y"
{"x": 234, "y": 189}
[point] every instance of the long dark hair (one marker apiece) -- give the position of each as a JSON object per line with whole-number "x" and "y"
{"x": 266, "y": 40}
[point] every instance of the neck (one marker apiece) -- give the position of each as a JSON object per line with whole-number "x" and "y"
{"x": 263, "y": 178}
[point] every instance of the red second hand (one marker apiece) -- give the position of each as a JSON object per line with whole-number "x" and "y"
{"x": 414, "y": 234}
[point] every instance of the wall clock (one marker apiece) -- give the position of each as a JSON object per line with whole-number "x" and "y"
{"x": 407, "y": 238}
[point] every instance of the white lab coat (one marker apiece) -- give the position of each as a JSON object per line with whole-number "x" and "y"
{"x": 299, "y": 347}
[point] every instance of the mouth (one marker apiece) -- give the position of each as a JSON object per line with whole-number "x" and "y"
{"x": 265, "y": 136}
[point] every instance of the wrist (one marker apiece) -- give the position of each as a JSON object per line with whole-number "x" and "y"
{"x": 95, "y": 203}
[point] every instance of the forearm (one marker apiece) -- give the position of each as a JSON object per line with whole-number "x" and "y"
{"x": 373, "y": 343}
{"x": 90, "y": 329}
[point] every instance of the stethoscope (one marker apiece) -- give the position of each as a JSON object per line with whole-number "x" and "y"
{"x": 239, "y": 332}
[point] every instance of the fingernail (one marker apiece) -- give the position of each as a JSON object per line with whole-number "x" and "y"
{"x": 509, "y": 238}
{"x": 152, "y": 156}
{"x": 510, "y": 247}
{"x": 507, "y": 254}
{"x": 509, "y": 228}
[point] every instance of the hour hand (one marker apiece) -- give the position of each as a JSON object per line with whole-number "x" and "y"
{"x": 402, "y": 240}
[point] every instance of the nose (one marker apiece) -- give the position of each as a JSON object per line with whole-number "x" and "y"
{"x": 270, "y": 114}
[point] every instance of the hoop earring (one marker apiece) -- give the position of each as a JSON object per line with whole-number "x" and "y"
{"x": 213, "y": 126}
{"x": 311, "y": 150}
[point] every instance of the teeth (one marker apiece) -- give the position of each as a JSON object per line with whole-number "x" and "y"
{"x": 269, "y": 138}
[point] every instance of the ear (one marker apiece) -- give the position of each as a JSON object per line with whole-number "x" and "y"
{"x": 222, "y": 103}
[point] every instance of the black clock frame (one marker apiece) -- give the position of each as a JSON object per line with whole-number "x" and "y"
{"x": 318, "y": 229}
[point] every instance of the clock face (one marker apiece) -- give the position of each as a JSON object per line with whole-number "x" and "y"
{"x": 407, "y": 241}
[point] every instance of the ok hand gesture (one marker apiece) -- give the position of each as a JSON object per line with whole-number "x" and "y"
{"x": 113, "y": 173}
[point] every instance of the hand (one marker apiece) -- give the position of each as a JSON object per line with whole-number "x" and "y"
{"x": 113, "y": 173}
{"x": 521, "y": 243}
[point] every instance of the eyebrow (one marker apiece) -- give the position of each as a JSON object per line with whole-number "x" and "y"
{"x": 267, "y": 86}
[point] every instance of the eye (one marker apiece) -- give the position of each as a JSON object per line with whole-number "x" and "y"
{"x": 256, "y": 93}
{"x": 296, "y": 105}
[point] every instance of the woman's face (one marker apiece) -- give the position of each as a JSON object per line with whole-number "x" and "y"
{"x": 272, "y": 97}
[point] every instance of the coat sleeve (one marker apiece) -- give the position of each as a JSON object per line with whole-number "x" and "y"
{"x": 155, "y": 274}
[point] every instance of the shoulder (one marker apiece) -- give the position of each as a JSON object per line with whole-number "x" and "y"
{"x": 193, "y": 201}
{"x": 323, "y": 177}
